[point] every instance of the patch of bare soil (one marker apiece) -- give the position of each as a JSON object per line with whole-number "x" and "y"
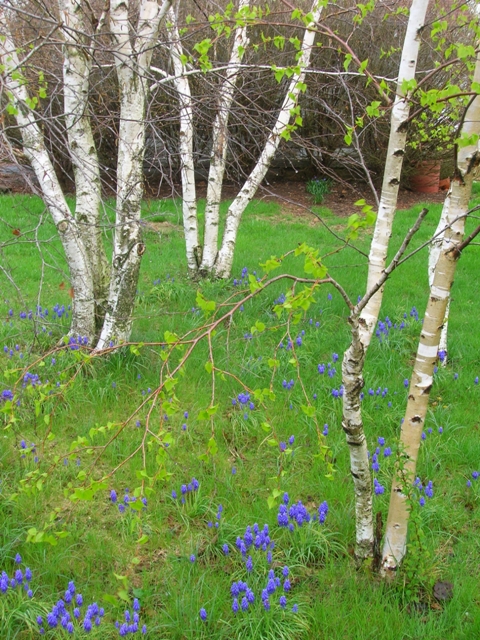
{"x": 294, "y": 199}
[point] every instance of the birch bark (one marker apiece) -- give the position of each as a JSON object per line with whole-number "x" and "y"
{"x": 133, "y": 56}
{"x": 224, "y": 261}
{"x": 352, "y": 379}
{"x": 456, "y": 206}
{"x": 393, "y": 167}
{"x": 220, "y": 145}
{"x": 187, "y": 168}
{"x": 83, "y": 316}
{"x": 433, "y": 255}
{"x": 76, "y": 75}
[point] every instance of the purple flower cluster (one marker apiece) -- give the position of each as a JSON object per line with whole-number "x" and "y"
{"x": 6, "y": 395}
{"x": 244, "y": 402}
{"x": 297, "y": 514}
{"x": 255, "y": 538}
{"x": 423, "y": 491}
{"x": 127, "y": 501}
{"x": 76, "y": 342}
{"x": 186, "y": 489}
{"x": 19, "y": 578}
{"x": 330, "y": 369}
{"x": 243, "y": 278}
{"x": 131, "y": 624}
{"x": 387, "y": 452}
{"x": 243, "y": 597}
{"x": 67, "y": 613}
{"x": 31, "y": 379}
{"x": 288, "y": 385}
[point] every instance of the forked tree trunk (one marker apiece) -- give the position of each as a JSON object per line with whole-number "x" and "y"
{"x": 393, "y": 167}
{"x": 422, "y": 378}
{"x": 88, "y": 193}
{"x": 224, "y": 261}
{"x": 218, "y": 155}
{"x": 83, "y": 316}
{"x": 132, "y": 64}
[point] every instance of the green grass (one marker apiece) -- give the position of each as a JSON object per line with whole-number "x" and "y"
{"x": 105, "y": 551}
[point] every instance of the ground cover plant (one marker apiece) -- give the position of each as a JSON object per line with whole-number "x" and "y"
{"x": 224, "y": 507}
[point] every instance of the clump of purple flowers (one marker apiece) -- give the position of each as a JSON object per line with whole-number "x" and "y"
{"x": 255, "y": 538}
{"x": 128, "y": 501}
{"x": 423, "y": 490}
{"x": 6, "y": 394}
{"x": 68, "y": 613}
{"x": 18, "y": 580}
{"x": 186, "y": 489}
{"x": 131, "y": 623}
{"x": 297, "y": 514}
{"x": 76, "y": 342}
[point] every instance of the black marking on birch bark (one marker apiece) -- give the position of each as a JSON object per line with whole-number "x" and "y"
{"x": 355, "y": 475}
{"x": 416, "y": 419}
{"x": 411, "y": 397}
{"x": 399, "y": 153}
{"x": 354, "y": 444}
{"x": 427, "y": 389}
{"x": 394, "y": 181}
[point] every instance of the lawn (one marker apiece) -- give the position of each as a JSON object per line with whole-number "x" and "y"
{"x": 181, "y": 528}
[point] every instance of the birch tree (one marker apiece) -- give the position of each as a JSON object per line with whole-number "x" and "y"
{"x": 103, "y": 302}
{"x": 210, "y": 259}
{"x": 77, "y": 65}
{"x": 23, "y": 108}
{"x": 132, "y": 53}
{"x": 393, "y": 166}
{"x": 456, "y": 208}
{"x": 364, "y": 319}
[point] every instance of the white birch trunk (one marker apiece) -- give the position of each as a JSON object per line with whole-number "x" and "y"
{"x": 132, "y": 64}
{"x": 393, "y": 168}
{"x": 352, "y": 379}
{"x": 433, "y": 255}
{"x": 76, "y": 75}
{"x": 219, "y": 148}
{"x": 223, "y": 264}
{"x": 187, "y": 169}
{"x": 83, "y": 316}
{"x": 421, "y": 383}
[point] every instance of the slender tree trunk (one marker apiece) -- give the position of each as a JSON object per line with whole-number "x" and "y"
{"x": 83, "y": 152}
{"x": 219, "y": 147}
{"x": 83, "y": 316}
{"x": 132, "y": 64}
{"x": 393, "y": 167}
{"x": 223, "y": 264}
{"x": 189, "y": 195}
{"x": 352, "y": 379}
{"x": 422, "y": 378}
{"x": 433, "y": 255}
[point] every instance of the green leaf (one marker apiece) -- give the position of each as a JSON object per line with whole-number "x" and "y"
{"x": 212, "y": 446}
{"x": 207, "y": 306}
{"x": 170, "y": 338}
{"x": 209, "y": 366}
{"x": 143, "y": 539}
{"x": 308, "y": 410}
